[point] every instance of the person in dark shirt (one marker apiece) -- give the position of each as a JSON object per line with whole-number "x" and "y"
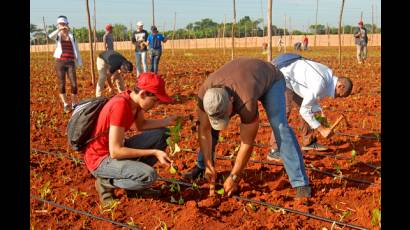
{"x": 110, "y": 66}
{"x": 155, "y": 41}
{"x": 107, "y": 38}
{"x": 361, "y": 43}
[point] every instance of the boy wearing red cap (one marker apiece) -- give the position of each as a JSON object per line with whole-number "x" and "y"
{"x": 120, "y": 162}
{"x": 361, "y": 43}
{"x": 107, "y": 38}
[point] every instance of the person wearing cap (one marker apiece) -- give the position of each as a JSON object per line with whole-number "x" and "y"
{"x": 108, "y": 40}
{"x": 155, "y": 46}
{"x": 68, "y": 58}
{"x": 307, "y": 82}
{"x": 361, "y": 43}
{"x": 139, "y": 39}
{"x": 305, "y": 42}
{"x": 120, "y": 162}
{"x": 110, "y": 66}
{"x": 236, "y": 88}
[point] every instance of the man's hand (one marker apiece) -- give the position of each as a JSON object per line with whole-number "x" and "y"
{"x": 162, "y": 157}
{"x": 325, "y": 132}
{"x": 230, "y": 186}
{"x": 210, "y": 173}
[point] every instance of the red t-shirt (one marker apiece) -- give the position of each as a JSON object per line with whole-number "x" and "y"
{"x": 118, "y": 112}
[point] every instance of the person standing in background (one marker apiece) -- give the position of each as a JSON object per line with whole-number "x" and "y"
{"x": 155, "y": 45}
{"x": 108, "y": 39}
{"x": 361, "y": 43}
{"x": 139, "y": 39}
{"x": 68, "y": 58}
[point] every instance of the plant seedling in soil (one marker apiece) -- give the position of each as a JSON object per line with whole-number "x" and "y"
{"x": 376, "y": 217}
{"x": 221, "y": 191}
{"x": 45, "y": 189}
{"x": 75, "y": 193}
{"x": 253, "y": 207}
{"x": 132, "y": 223}
{"x": 172, "y": 169}
{"x": 174, "y": 136}
{"x": 173, "y": 200}
{"x": 322, "y": 120}
{"x": 111, "y": 207}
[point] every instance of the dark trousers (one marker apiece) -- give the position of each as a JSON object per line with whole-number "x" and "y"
{"x": 63, "y": 68}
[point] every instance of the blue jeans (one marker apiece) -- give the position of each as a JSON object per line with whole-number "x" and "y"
{"x": 215, "y": 137}
{"x": 135, "y": 173}
{"x": 155, "y": 56}
{"x": 274, "y": 103}
{"x": 141, "y": 55}
{"x": 275, "y": 106}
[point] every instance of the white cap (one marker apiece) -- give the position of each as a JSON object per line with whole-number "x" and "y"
{"x": 62, "y": 20}
{"x": 139, "y": 23}
{"x": 215, "y": 105}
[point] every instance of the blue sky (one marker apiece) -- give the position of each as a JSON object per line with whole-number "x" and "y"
{"x": 301, "y": 12}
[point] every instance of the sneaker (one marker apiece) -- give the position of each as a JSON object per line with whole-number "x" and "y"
{"x": 67, "y": 109}
{"x": 105, "y": 190}
{"x": 273, "y": 155}
{"x": 194, "y": 173}
{"x": 315, "y": 146}
{"x": 304, "y": 191}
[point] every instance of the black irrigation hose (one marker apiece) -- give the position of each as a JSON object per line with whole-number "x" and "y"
{"x": 300, "y": 213}
{"x": 190, "y": 185}
{"x": 83, "y": 213}
{"x": 359, "y": 136}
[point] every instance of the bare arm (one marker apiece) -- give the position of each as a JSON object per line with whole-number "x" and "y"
{"x": 142, "y": 124}
{"x": 119, "y": 151}
{"x": 205, "y": 142}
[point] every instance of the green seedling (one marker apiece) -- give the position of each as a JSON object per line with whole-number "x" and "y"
{"x": 322, "y": 120}
{"x": 175, "y": 188}
{"x": 221, "y": 191}
{"x": 174, "y": 136}
{"x": 345, "y": 214}
{"x": 173, "y": 200}
{"x": 181, "y": 200}
{"x": 111, "y": 207}
{"x": 132, "y": 223}
{"x": 164, "y": 186}
{"x": 338, "y": 171}
{"x": 75, "y": 193}
{"x": 221, "y": 139}
{"x": 172, "y": 169}
{"x": 163, "y": 226}
{"x": 195, "y": 186}
{"x": 376, "y": 217}
{"x": 281, "y": 210}
{"x": 253, "y": 207}
{"x": 354, "y": 154}
{"x": 45, "y": 189}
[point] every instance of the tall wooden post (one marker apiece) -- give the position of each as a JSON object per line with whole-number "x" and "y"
{"x": 46, "y": 35}
{"x": 130, "y": 43}
{"x": 173, "y": 33}
{"x": 317, "y": 7}
{"x": 245, "y": 37}
{"x": 223, "y": 35}
{"x": 153, "y": 15}
{"x": 95, "y": 29}
{"x": 90, "y": 42}
{"x": 269, "y": 25}
{"x": 328, "y": 36}
{"x": 284, "y": 33}
{"x": 233, "y": 29}
{"x": 263, "y": 21}
{"x": 372, "y": 24}
{"x": 340, "y": 41}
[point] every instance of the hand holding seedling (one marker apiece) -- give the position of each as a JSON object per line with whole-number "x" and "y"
{"x": 230, "y": 186}
{"x": 210, "y": 175}
{"x": 162, "y": 157}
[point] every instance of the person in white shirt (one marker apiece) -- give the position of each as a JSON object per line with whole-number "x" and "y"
{"x": 307, "y": 82}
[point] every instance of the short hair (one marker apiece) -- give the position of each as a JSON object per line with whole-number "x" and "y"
{"x": 154, "y": 28}
{"x": 128, "y": 65}
{"x": 62, "y": 16}
{"x": 348, "y": 86}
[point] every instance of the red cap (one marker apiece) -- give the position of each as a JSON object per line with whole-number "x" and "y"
{"x": 108, "y": 27}
{"x": 153, "y": 83}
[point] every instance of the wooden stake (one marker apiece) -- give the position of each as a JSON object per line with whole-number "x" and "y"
{"x": 233, "y": 30}
{"x": 46, "y": 35}
{"x": 91, "y": 46}
{"x": 284, "y": 33}
{"x": 317, "y": 7}
{"x": 173, "y": 34}
{"x": 95, "y": 29}
{"x": 223, "y": 35}
{"x": 336, "y": 122}
{"x": 340, "y": 25}
{"x": 269, "y": 25}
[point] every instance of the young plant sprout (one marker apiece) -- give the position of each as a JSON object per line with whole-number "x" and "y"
{"x": 175, "y": 136}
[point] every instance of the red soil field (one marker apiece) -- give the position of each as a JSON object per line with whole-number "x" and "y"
{"x": 69, "y": 183}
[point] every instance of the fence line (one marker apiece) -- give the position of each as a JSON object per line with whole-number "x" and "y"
{"x": 322, "y": 40}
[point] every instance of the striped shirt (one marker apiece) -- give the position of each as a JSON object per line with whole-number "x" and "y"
{"x": 68, "y": 52}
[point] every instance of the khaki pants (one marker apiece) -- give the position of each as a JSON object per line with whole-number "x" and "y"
{"x": 308, "y": 134}
{"x": 103, "y": 73}
{"x": 361, "y": 52}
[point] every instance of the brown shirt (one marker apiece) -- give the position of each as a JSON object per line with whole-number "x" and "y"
{"x": 246, "y": 80}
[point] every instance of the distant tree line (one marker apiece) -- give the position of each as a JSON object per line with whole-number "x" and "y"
{"x": 205, "y": 28}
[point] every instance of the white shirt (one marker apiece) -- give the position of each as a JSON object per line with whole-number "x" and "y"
{"x": 59, "y": 50}
{"x": 306, "y": 82}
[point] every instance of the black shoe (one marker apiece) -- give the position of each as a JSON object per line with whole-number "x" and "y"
{"x": 273, "y": 155}
{"x": 304, "y": 191}
{"x": 144, "y": 192}
{"x": 194, "y": 173}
